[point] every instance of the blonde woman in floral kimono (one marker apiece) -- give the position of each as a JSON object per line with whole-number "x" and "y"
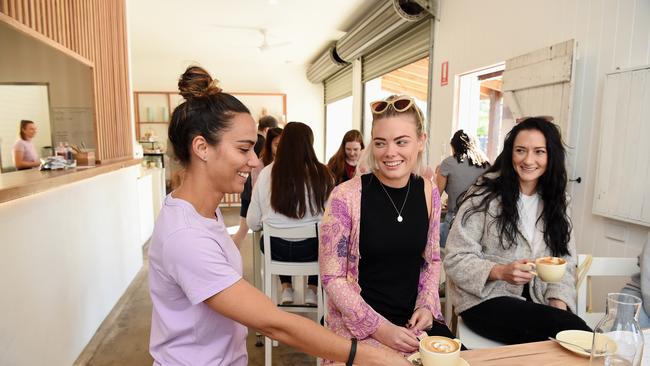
{"x": 379, "y": 252}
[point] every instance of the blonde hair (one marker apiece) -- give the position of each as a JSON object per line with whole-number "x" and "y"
{"x": 368, "y": 158}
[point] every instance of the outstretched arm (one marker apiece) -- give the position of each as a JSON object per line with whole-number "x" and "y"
{"x": 246, "y": 305}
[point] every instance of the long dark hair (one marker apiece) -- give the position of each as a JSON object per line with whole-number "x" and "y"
{"x": 206, "y": 112}
{"x": 505, "y": 188}
{"x": 337, "y": 161}
{"x": 297, "y": 173}
{"x": 267, "y": 150}
{"x": 465, "y": 148}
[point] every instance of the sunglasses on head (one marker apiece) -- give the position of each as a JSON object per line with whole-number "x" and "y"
{"x": 400, "y": 104}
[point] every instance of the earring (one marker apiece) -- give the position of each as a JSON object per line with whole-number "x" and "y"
{"x": 205, "y": 158}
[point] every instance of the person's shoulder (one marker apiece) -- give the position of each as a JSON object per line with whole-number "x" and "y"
{"x": 19, "y": 144}
{"x": 349, "y": 187}
{"x": 266, "y": 171}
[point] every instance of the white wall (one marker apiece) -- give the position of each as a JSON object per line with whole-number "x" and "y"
{"x": 66, "y": 257}
{"x": 610, "y": 34}
{"x": 304, "y": 99}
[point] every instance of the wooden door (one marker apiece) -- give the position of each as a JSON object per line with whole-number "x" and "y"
{"x": 539, "y": 83}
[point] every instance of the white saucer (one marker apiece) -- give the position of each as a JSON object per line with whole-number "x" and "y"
{"x": 416, "y": 356}
{"x": 582, "y": 338}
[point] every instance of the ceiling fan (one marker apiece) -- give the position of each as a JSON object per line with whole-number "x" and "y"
{"x": 266, "y": 45}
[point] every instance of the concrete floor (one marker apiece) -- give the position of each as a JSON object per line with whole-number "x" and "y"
{"x": 123, "y": 339}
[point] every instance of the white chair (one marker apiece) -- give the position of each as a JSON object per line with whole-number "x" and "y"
{"x": 467, "y": 336}
{"x": 589, "y": 267}
{"x": 273, "y": 268}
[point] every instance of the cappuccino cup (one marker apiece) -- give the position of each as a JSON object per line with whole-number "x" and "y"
{"x": 439, "y": 351}
{"x": 550, "y": 269}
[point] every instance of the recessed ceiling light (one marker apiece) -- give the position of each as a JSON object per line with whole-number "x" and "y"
{"x": 273, "y": 2}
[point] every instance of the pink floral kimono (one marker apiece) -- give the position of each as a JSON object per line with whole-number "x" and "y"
{"x": 348, "y": 314}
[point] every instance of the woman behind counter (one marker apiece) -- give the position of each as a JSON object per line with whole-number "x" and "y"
{"x": 25, "y": 155}
{"x": 516, "y": 212}
{"x": 201, "y": 303}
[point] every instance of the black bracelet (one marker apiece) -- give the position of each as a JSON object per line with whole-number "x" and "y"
{"x": 353, "y": 352}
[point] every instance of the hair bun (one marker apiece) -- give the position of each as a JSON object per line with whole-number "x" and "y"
{"x": 197, "y": 83}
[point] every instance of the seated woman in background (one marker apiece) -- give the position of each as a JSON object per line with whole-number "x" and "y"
{"x": 268, "y": 152}
{"x": 291, "y": 192}
{"x": 201, "y": 304}
{"x": 457, "y": 173}
{"x": 25, "y": 155}
{"x": 343, "y": 164}
{"x": 379, "y": 254}
{"x": 516, "y": 212}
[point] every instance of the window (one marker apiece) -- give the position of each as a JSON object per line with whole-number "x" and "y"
{"x": 338, "y": 121}
{"x": 481, "y": 111}
{"x": 412, "y": 79}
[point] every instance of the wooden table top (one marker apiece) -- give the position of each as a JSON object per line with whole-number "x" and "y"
{"x": 545, "y": 353}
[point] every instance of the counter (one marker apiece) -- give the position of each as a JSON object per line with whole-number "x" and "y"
{"x": 27, "y": 182}
{"x": 71, "y": 245}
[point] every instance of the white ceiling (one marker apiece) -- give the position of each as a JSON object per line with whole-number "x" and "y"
{"x": 187, "y": 31}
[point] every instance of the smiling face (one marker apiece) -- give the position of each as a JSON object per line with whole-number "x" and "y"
{"x": 230, "y": 162}
{"x": 395, "y": 148}
{"x": 352, "y": 152}
{"x": 529, "y": 159}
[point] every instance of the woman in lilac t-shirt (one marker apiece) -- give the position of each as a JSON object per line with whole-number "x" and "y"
{"x": 201, "y": 304}
{"x": 25, "y": 155}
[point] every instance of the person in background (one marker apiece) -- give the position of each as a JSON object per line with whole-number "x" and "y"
{"x": 270, "y": 145}
{"x": 343, "y": 163}
{"x": 639, "y": 285}
{"x": 457, "y": 173}
{"x": 265, "y": 123}
{"x": 25, "y": 155}
{"x": 201, "y": 304}
{"x": 379, "y": 255}
{"x": 516, "y": 212}
{"x": 291, "y": 192}
{"x": 268, "y": 151}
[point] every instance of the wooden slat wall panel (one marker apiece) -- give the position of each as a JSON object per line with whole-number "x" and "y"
{"x": 95, "y": 30}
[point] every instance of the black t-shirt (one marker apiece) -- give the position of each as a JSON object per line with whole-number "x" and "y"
{"x": 391, "y": 251}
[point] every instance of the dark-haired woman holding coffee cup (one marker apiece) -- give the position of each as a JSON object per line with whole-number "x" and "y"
{"x": 517, "y": 211}
{"x": 201, "y": 304}
{"x": 379, "y": 253}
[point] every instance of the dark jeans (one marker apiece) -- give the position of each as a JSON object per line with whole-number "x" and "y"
{"x": 512, "y": 321}
{"x": 294, "y": 251}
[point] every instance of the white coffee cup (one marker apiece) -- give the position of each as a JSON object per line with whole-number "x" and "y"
{"x": 439, "y": 351}
{"x": 550, "y": 269}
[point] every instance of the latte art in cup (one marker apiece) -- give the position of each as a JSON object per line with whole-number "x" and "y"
{"x": 439, "y": 351}
{"x": 440, "y": 345}
{"x": 552, "y": 260}
{"x": 550, "y": 269}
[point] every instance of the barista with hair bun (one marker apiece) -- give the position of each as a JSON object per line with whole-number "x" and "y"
{"x": 201, "y": 303}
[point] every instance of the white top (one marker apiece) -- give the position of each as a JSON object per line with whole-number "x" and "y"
{"x": 260, "y": 208}
{"x": 527, "y": 207}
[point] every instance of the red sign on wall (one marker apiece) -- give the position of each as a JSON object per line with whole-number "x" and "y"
{"x": 444, "y": 73}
